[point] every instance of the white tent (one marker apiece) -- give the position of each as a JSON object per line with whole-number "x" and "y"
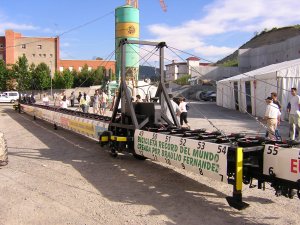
{"x": 247, "y": 91}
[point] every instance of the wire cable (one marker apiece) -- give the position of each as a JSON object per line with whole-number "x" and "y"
{"x": 61, "y": 34}
{"x": 260, "y": 123}
{"x": 245, "y": 74}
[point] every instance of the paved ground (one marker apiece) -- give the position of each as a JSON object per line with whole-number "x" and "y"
{"x": 58, "y": 177}
{"x": 228, "y": 120}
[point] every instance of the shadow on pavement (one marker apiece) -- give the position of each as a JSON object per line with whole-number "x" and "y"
{"x": 178, "y": 197}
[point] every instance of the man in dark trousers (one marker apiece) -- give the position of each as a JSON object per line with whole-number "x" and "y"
{"x": 79, "y": 97}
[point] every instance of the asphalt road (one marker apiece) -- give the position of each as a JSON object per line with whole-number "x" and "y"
{"x": 58, "y": 177}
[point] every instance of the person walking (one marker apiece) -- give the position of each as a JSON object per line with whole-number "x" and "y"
{"x": 72, "y": 99}
{"x": 294, "y": 113}
{"x": 183, "y": 115}
{"x": 272, "y": 117}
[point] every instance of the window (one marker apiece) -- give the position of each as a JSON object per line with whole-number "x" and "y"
{"x": 71, "y": 68}
{"x": 23, "y": 46}
{"x": 1, "y": 45}
{"x": 44, "y": 55}
{"x": 89, "y": 68}
{"x": 1, "y": 56}
{"x": 51, "y": 55}
{"x": 40, "y": 55}
{"x": 33, "y": 55}
{"x": 39, "y": 46}
{"x": 61, "y": 68}
{"x": 79, "y": 68}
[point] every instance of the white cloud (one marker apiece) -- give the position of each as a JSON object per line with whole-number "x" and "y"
{"x": 222, "y": 16}
{"x": 6, "y": 24}
{"x": 14, "y": 26}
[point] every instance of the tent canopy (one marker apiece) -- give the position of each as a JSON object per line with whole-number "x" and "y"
{"x": 247, "y": 91}
{"x": 266, "y": 72}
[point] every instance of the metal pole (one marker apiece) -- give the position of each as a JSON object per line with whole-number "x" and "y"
{"x": 51, "y": 78}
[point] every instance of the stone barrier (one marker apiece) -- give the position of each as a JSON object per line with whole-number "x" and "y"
{"x": 3, "y": 151}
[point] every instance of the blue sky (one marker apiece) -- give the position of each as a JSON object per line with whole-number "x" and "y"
{"x": 208, "y": 29}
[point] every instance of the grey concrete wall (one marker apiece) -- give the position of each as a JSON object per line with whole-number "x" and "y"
{"x": 250, "y": 59}
{"x": 214, "y": 72}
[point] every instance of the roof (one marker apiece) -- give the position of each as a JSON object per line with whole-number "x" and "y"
{"x": 176, "y": 63}
{"x": 265, "y": 70}
{"x": 193, "y": 59}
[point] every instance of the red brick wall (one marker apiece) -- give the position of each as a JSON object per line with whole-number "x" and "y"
{"x": 91, "y": 63}
{"x": 2, "y": 50}
{"x": 9, "y": 44}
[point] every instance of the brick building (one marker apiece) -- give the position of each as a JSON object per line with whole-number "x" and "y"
{"x": 43, "y": 49}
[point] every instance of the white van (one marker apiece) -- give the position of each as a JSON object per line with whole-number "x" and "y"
{"x": 12, "y": 95}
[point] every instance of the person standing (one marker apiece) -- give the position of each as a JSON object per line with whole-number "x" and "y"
{"x": 103, "y": 99}
{"x": 138, "y": 98}
{"x": 272, "y": 117}
{"x": 96, "y": 102}
{"x": 275, "y": 100}
{"x": 79, "y": 97}
{"x": 72, "y": 99}
{"x": 294, "y": 113}
{"x": 64, "y": 102}
{"x": 46, "y": 100}
{"x": 175, "y": 108}
{"x": 183, "y": 115}
{"x": 84, "y": 103}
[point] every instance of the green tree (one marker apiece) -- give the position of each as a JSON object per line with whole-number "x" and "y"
{"x": 3, "y": 75}
{"x": 98, "y": 75}
{"x": 20, "y": 72}
{"x": 68, "y": 78}
{"x": 85, "y": 78}
{"x": 183, "y": 80}
{"x": 41, "y": 77}
{"x": 58, "y": 80}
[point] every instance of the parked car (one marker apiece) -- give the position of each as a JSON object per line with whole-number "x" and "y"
{"x": 12, "y": 95}
{"x": 210, "y": 96}
{"x": 4, "y": 98}
{"x": 203, "y": 94}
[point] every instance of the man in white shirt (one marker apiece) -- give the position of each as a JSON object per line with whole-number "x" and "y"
{"x": 175, "y": 108}
{"x": 294, "y": 113}
{"x": 272, "y": 116}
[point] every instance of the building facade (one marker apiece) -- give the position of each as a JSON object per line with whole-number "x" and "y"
{"x": 43, "y": 49}
{"x": 175, "y": 70}
{"x": 92, "y": 64}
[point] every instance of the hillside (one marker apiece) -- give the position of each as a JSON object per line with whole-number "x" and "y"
{"x": 273, "y": 36}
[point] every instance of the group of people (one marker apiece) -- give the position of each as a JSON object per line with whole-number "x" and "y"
{"x": 180, "y": 110}
{"x": 273, "y": 115}
{"x": 100, "y": 101}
